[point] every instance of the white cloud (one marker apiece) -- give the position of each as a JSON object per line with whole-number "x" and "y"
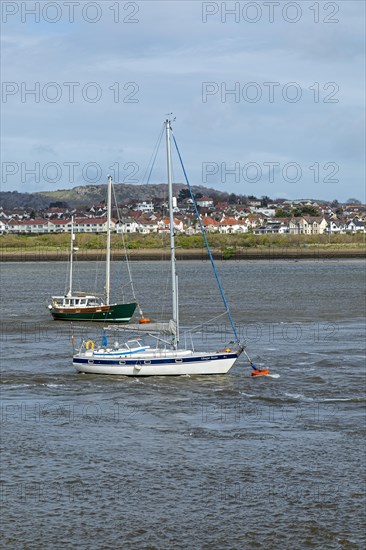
{"x": 168, "y": 55}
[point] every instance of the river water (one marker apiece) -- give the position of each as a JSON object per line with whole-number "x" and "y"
{"x": 215, "y": 462}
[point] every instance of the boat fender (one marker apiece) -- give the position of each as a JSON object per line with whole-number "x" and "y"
{"x": 144, "y": 320}
{"x": 89, "y": 345}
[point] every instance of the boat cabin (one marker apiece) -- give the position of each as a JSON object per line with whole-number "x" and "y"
{"x": 76, "y": 301}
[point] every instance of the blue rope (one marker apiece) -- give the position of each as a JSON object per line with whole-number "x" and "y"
{"x": 206, "y": 242}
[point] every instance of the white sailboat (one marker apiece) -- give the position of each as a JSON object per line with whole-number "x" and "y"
{"x": 86, "y": 306}
{"x": 133, "y": 357}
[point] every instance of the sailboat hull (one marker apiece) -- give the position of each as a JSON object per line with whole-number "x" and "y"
{"x": 116, "y": 313}
{"x": 168, "y": 366}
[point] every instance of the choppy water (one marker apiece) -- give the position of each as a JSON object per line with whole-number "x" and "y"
{"x": 225, "y": 462}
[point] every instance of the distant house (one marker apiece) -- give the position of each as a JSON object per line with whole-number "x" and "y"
{"x": 59, "y": 226}
{"x": 267, "y": 212}
{"x": 35, "y": 227}
{"x": 355, "y": 209}
{"x": 355, "y": 226}
{"x": 273, "y": 226}
{"x": 221, "y": 207}
{"x": 232, "y": 225}
{"x": 127, "y": 226}
{"x": 205, "y": 202}
{"x": 3, "y": 215}
{"x": 93, "y": 225}
{"x": 144, "y": 206}
{"x": 54, "y": 213}
{"x": 164, "y": 225}
{"x": 240, "y": 211}
{"x": 210, "y": 224}
{"x": 307, "y": 226}
{"x": 254, "y": 220}
{"x": 98, "y": 210}
{"x": 336, "y": 227}
{"x": 147, "y": 224}
{"x": 3, "y": 228}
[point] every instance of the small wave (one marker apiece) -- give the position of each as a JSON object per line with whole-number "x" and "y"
{"x": 246, "y": 394}
{"x": 272, "y": 375}
{"x": 298, "y": 396}
{"x": 348, "y": 399}
{"x": 15, "y": 386}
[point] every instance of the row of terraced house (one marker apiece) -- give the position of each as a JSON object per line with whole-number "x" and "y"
{"x": 151, "y": 223}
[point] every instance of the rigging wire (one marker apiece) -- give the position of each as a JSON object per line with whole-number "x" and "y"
{"x": 126, "y": 256}
{"x": 148, "y": 172}
{"x": 97, "y": 270}
{"x": 152, "y": 160}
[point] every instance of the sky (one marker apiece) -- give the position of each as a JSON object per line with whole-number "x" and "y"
{"x": 268, "y": 97}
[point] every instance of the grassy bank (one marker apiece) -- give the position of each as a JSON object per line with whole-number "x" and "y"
{"x": 152, "y": 246}
{"x": 92, "y": 241}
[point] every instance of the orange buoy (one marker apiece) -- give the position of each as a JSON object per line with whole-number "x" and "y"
{"x": 144, "y": 320}
{"x": 260, "y": 372}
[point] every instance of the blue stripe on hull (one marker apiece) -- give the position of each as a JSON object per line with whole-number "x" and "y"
{"x": 171, "y": 361}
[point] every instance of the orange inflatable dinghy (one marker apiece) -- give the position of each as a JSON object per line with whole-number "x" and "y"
{"x": 260, "y": 372}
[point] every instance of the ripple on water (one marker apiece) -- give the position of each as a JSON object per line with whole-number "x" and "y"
{"x": 190, "y": 462}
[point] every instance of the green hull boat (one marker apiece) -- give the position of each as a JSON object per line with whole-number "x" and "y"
{"x": 115, "y": 313}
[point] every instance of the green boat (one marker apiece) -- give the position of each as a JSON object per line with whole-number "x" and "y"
{"x": 90, "y": 307}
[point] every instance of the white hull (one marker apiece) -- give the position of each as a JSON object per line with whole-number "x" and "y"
{"x": 156, "y": 363}
{"x": 217, "y": 367}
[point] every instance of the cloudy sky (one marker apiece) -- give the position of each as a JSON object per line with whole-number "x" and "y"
{"x": 268, "y": 96}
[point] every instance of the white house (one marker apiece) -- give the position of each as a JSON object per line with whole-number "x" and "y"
{"x": 59, "y": 226}
{"x": 267, "y": 212}
{"x": 127, "y": 226}
{"x": 205, "y": 202}
{"x": 272, "y": 226}
{"x": 3, "y": 228}
{"x": 355, "y": 226}
{"x": 210, "y": 225}
{"x": 231, "y": 225}
{"x": 148, "y": 226}
{"x": 336, "y": 227}
{"x": 144, "y": 206}
{"x": 93, "y": 225}
{"x": 307, "y": 225}
{"x": 35, "y": 227}
{"x": 164, "y": 225}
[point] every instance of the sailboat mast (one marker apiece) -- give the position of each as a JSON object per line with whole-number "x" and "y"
{"x": 172, "y": 241}
{"x": 108, "y": 256}
{"x": 71, "y": 255}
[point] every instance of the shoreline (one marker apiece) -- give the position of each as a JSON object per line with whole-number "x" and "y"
{"x": 272, "y": 253}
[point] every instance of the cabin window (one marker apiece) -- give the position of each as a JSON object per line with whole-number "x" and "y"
{"x": 133, "y": 343}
